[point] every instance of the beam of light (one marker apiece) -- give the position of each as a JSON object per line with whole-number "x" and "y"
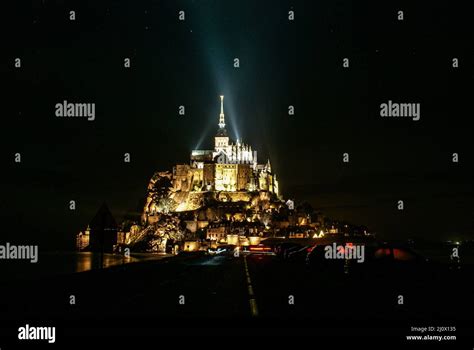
{"x": 205, "y": 135}
{"x": 220, "y": 67}
{"x": 219, "y": 56}
{"x": 213, "y": 120}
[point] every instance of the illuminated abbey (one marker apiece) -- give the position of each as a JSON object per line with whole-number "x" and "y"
{"x": 221, "y": 196}
{"x": 231, "y": 168}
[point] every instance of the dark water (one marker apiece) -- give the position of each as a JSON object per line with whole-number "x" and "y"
{"x": 50, "y": 264}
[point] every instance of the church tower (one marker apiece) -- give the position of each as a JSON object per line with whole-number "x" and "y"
{"x": 221, "y": 142}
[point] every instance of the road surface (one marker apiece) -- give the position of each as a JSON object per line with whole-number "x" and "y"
{"x": 197, "y": 294}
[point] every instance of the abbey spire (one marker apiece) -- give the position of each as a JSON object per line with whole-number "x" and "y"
{"x": 221, "y": 116}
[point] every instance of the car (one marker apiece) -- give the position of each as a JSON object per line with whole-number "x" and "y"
{"x": 396, "y": 260}
{"x": 369, "y": 259}
{"x": 282, "y": 249}
{"x": 316, "y": 259}
{"x": 298, "y": 254}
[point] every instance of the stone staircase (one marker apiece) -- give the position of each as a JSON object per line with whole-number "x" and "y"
{"x": 137, "y": 237}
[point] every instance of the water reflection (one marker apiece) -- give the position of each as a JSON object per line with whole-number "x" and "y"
{"x": 60, "y": 263}
{"x": 88, "y": 261}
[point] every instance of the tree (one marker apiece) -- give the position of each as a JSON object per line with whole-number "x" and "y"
{"x": 161, "y": 187}
{"x": 165, "y": 205}
{"x": 160, "y": 194}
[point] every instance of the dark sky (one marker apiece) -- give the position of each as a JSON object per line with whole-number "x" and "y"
{"x": 282, "y": 63}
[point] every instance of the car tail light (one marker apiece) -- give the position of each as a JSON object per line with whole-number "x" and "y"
{"x": 260, "y": 249}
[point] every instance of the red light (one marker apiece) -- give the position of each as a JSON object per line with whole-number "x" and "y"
{"x": 260, "y": 249}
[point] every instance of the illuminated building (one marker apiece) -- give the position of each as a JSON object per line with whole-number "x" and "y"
{"x": 82, "y": 239}
{"x": 230, "y": 166}
{"x": 230, "y": 170}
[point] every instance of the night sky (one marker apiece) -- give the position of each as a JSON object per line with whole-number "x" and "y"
{"x": 282, "y": 63}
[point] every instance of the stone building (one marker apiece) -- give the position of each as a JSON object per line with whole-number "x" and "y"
{"x": 231, "y": 167}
